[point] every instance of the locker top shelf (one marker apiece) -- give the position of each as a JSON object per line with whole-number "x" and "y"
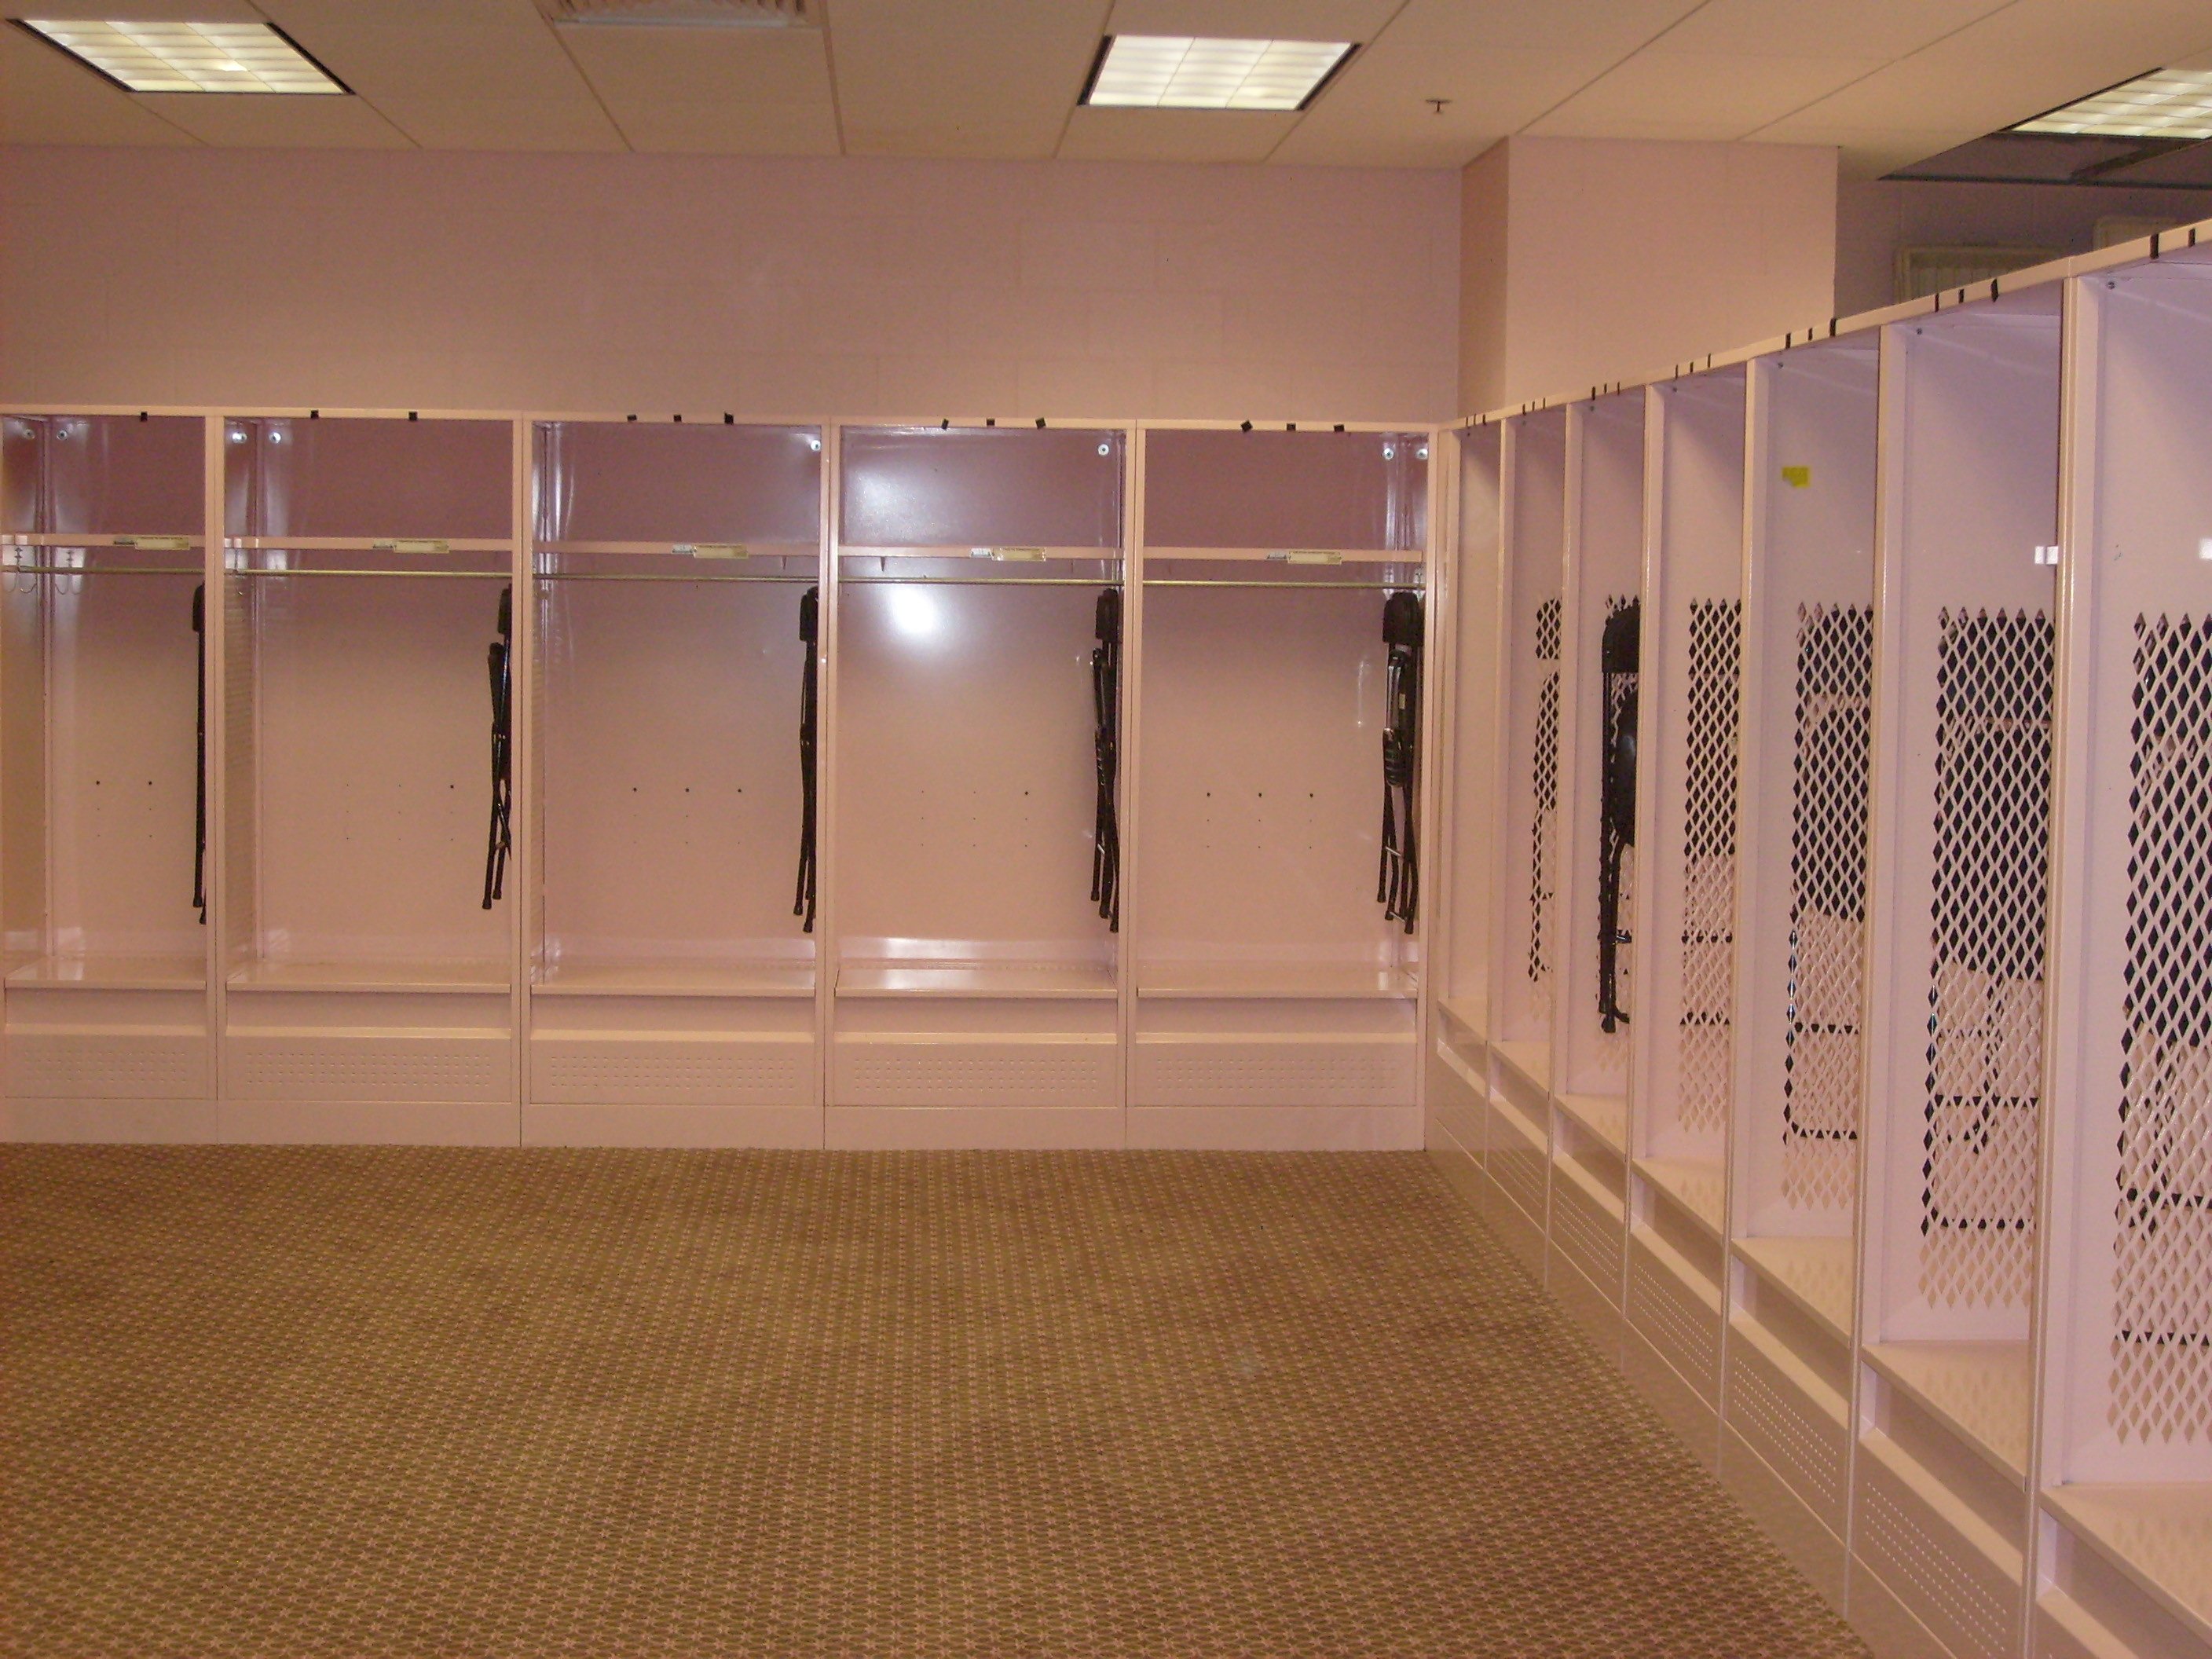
{"x": 1814, "y": 1273}
{"x": 1315, "y": 981}
{"x": 1981, "y": 1390}
{"x": 676, "y": 978}
{"x": 1058, "y": 980}
{"x": 372, "y": 975}
{"x": 2159, "y": 1536}
{"x": 162, "y": 973}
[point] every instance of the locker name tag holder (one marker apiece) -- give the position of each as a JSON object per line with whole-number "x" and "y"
{"x": 1010, "y": 555}
{"x": 1306, "y": 555}
{"x": 419, "y": 545}
{"x": 712, "y": 551}
{"x": 155, "y": 543}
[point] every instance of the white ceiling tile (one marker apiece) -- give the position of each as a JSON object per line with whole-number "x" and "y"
{"x": 47, "y": 98}
{"x": 1680, "y": 96}
{"x": 960, "y": 77}
{"x": 1254, "y": 20}
{"x": 247, "y": 121}
{"x": 483, "y": 78}
{"x": 751, "y": 92}
{"x": 1173, "y": 135}
{"x": 1877, "y": 29}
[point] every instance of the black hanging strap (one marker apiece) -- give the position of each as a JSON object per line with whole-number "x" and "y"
{"x": 500, "y": 657}
{"x": 1397, "y": 886}
{"x": 1619, "y": 653}
{"x": 199, "y": 733}
{"x": 810, "y": 631}
{"x": 1106, "y": 704}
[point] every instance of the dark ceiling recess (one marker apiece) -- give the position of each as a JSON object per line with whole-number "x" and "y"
{"x": 2066, "y": 158}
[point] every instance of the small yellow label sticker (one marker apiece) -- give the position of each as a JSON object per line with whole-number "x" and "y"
{"x": 155, "y": 543}
{"x": 425, "y": 544}
{"x": 1308, "y": 556}
{"x": 713, "y": 550}
{"x": 1797, "y": 477}
{"x": 1019, "y": 555}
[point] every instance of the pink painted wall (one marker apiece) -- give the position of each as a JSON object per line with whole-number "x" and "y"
{"x": 851, "y": 287}
{"x": 1622, "y": 257}
{"x": 1876, "y": 218}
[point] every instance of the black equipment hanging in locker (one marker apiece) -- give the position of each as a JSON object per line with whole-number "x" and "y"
{"x": 500, "y": 657}
{"x": 1619, "y": 657}
{"x": 199, "y": 742}
{"x": 809, "y": 632}
{"x": 1106, "y": 701}
{"x": 1397, "y": 887}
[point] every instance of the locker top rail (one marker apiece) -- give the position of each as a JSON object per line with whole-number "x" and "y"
{"x": 2191, "y": 243}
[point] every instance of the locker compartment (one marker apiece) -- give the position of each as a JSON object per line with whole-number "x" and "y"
{"x": 1278, "y": 933}
{"x": 1600, "y": 650}
{"x": 1470, "y": 791}
{"x": 368, "y": 695}
{"x": 2126, "y": 1411}
{"x": 1682, "y": 1058}
{"x": 1804, "y": 761}
{"x": 677, "y": 572}
{"x": 1527, "y": 855}
{"x": 102, "y": 768}
{"x": 977, "y": 853}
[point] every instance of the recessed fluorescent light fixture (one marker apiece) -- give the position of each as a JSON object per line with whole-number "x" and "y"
{"x": 142, "y": 56}
{"x": 2169, "y": 103}
{"x": 1176, "y": 71}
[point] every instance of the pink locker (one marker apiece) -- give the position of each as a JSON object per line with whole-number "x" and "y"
{"x": 674, "y": 701}
{"x": 102, "y": 863}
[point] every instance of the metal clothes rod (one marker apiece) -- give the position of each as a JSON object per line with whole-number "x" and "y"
{"x": 1301, "y": 587}
{"x": 979, "y": 581}
{"x": 650, "y": 576}
{"x": 404, "y": 575}
{"x": 98, "y": 570}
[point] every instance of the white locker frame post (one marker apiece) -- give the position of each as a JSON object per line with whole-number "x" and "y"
{"x": 1297, "y": 1025}
{"x": 1959, "y": 841}
{"x": 1808, "y": 591}
{"x": 1604, "y": 538}
{"x": 106, "y": 1011}
{"x": 1682, "y": 1060}
{"x": 342, "y": 1042}
{"x": 1524, "y": 981}
{"x": 662, "y": 561}
{"x": 2123, "y": 1554}
{"x": 1462, "y": 697}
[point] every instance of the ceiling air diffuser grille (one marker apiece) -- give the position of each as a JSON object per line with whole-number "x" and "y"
{"x": 695, "y": 14}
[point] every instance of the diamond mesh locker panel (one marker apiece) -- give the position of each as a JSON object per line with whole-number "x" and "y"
{"x": 2162, "y": 1383}
{"x": 1994, "y": 682}
{"x": 1828, "y": 904}
{"x": 1610, "y": 1049}
{"x": 1706, "y": 1065}
{"x": 1544, "y": 835}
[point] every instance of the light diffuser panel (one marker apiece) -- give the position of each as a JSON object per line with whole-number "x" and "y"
{"x": 2171, "y": 103}
{"x": 143, "y": 56}
{"x": 1164, "y": 71}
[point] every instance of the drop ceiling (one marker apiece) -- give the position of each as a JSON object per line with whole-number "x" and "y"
{"x": 1435, "y": 83}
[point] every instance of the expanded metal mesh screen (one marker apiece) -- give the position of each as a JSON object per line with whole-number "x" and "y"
{"x": 1544, "y": 784}
{"x": 1994, "y": 680}
{"x": 1621, "y": 699}
{"x": 1821, "y": 1068}
{"x": 2162, "y": 1381}
{"x": 1706, "y": 1062}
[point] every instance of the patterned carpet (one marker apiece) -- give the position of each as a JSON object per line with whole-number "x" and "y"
{"x": 430, "y": 1402}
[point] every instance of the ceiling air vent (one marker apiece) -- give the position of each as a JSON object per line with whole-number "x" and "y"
{"x": 692, "y": 14}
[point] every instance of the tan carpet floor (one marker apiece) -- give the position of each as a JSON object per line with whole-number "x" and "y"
{"x": 426, "y": 1402}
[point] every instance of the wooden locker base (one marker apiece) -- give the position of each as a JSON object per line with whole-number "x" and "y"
{"x": 368, "y": 1123}
{"x": 143, "y": 1122}
{"x": 1276, "y": 1128}
{"x": 999, "y": 1129}
{"x": 670, "y": 1126}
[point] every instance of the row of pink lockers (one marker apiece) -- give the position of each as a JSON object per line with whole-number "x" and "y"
{"x": 665, "y": 793}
